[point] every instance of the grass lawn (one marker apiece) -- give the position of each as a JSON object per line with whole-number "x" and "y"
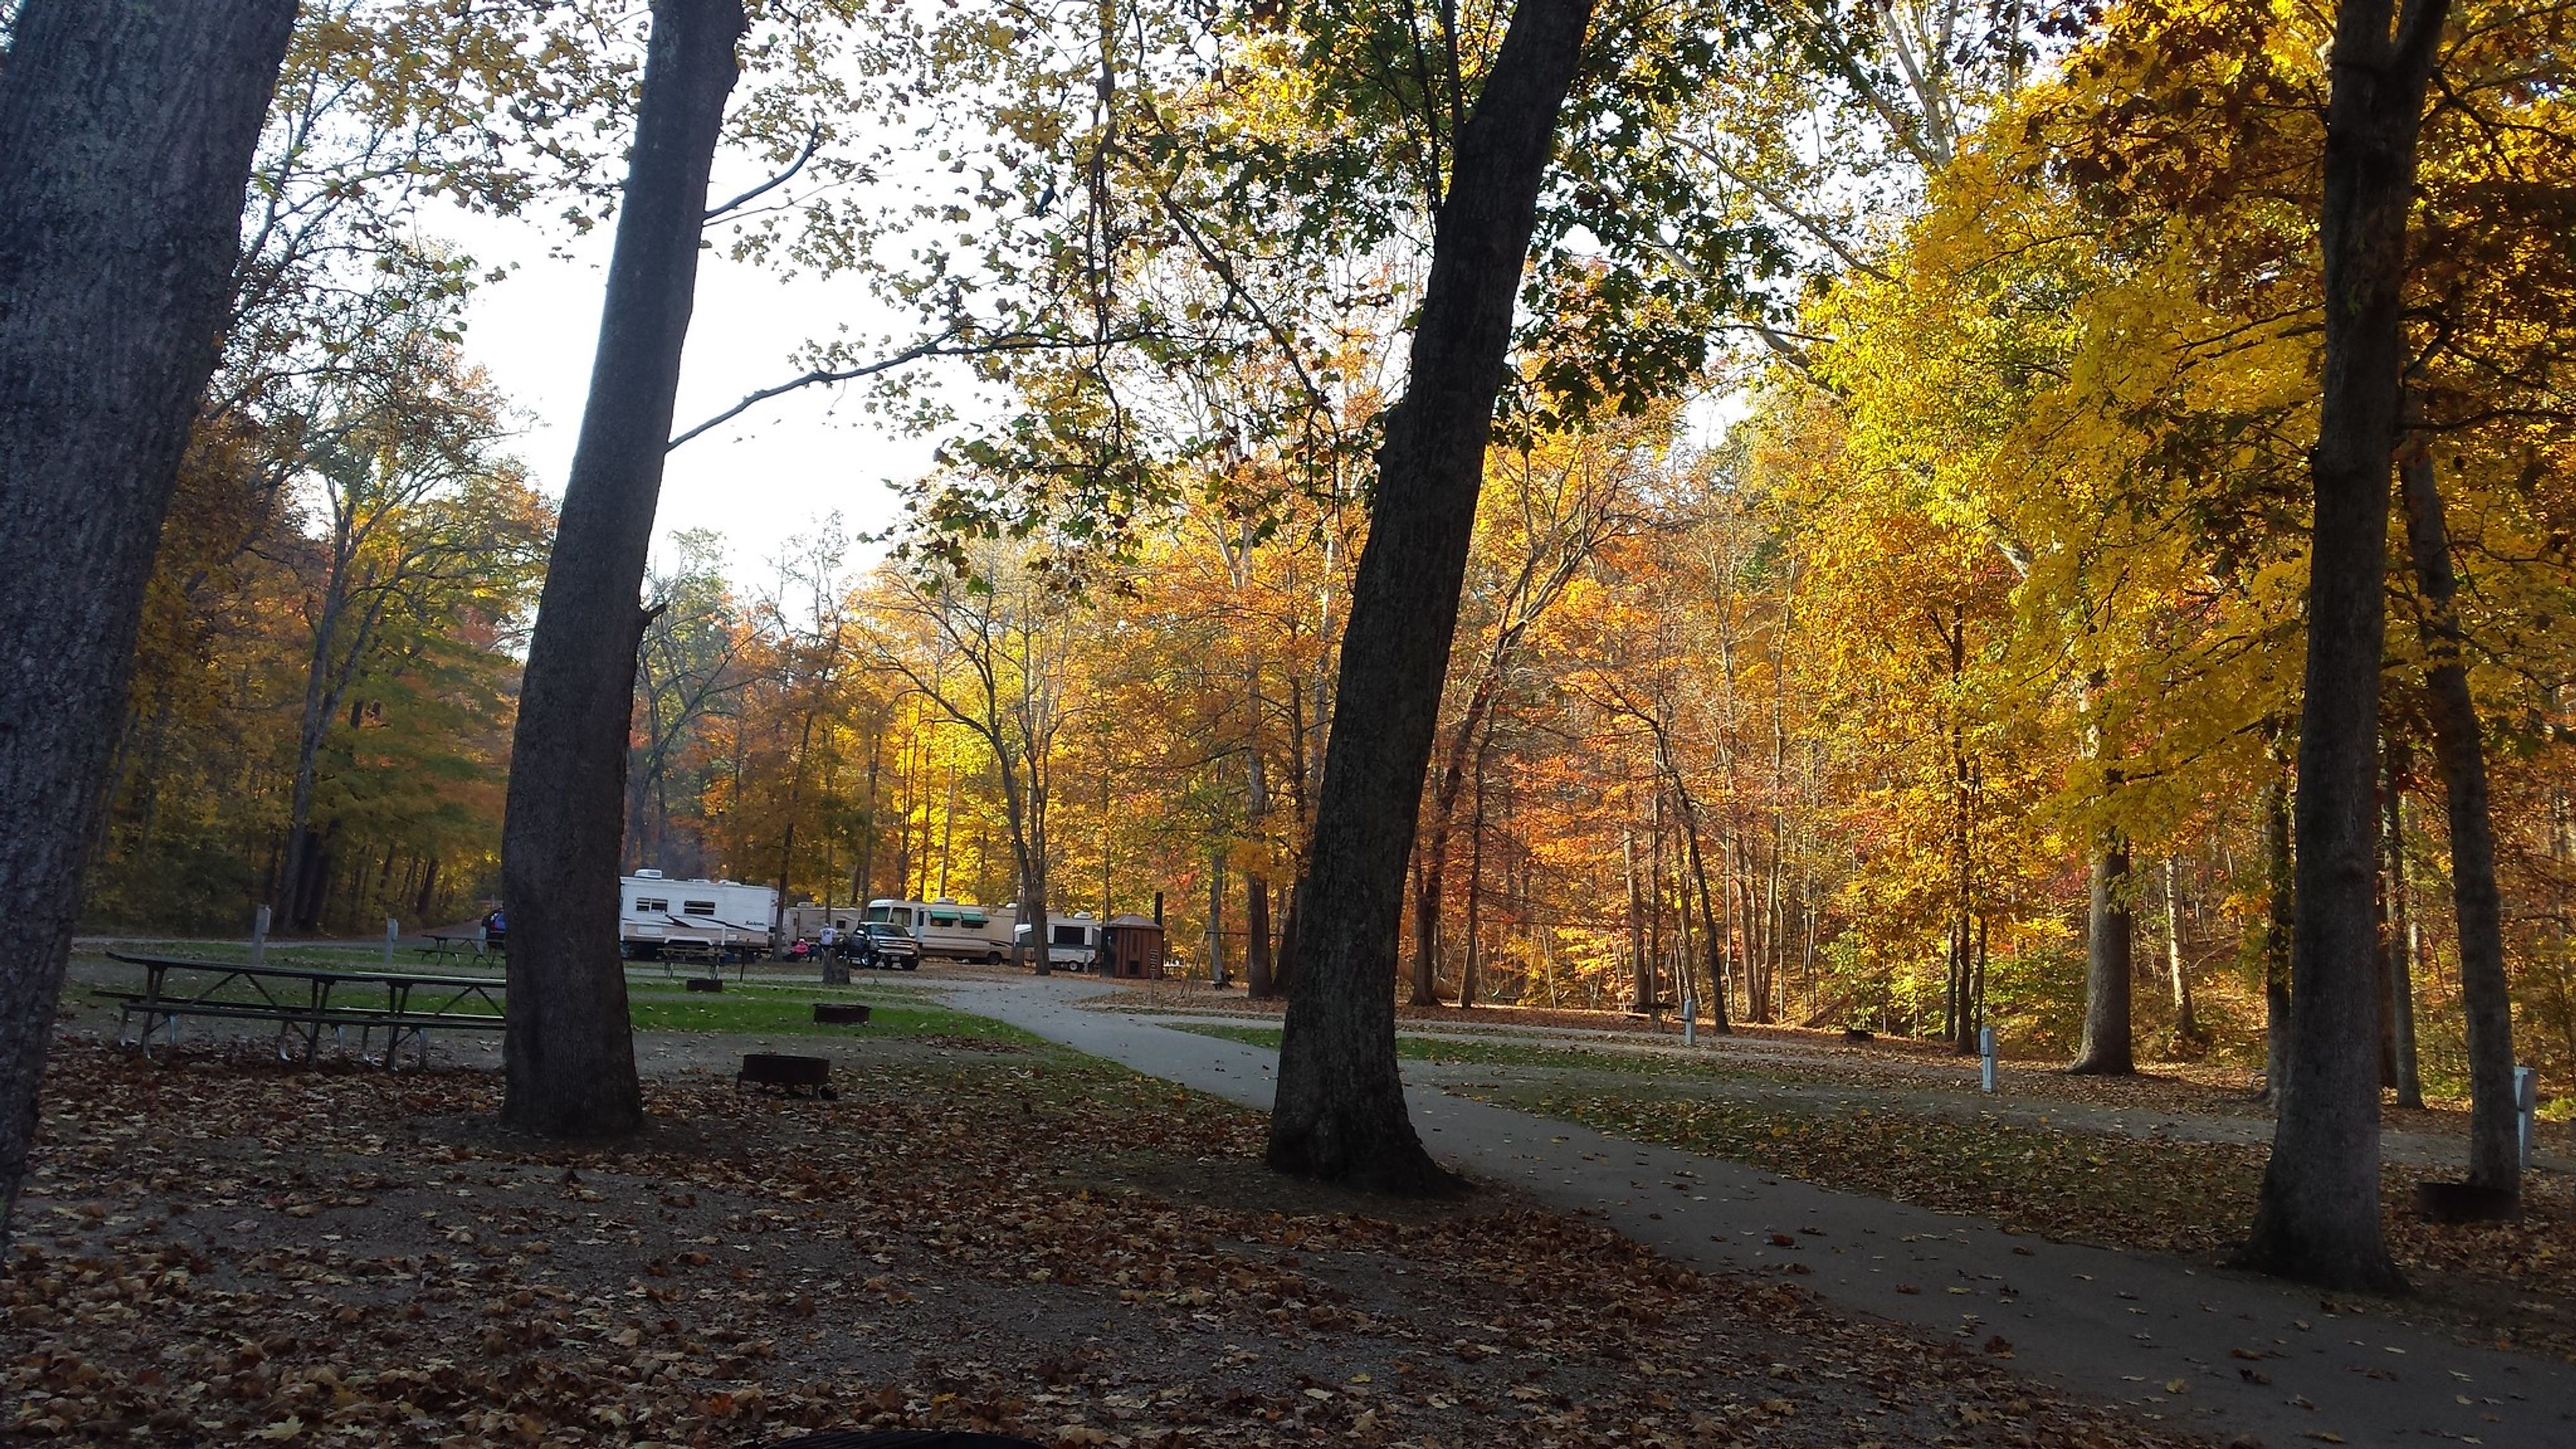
{"x": 1506, "y": 1053}
{"x": 758, "y": 1009}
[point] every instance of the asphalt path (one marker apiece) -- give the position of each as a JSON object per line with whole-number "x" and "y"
{"x": 2221, "y": 1354}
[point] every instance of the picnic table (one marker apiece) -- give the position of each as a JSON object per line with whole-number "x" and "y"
{"x": 437, "y": 947}
{"x": 304, "y": 1001}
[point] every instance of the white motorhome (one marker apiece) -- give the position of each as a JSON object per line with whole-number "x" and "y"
{"x": 654, "y": 910}
{"x": 1073, "y": 942}
{"x": 960, "y": 932}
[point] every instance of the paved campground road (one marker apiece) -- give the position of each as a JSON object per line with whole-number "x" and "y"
{"x": 2222, "y": 1354}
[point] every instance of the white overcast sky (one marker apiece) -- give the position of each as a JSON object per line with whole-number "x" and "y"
{"x": 760, "y": 479}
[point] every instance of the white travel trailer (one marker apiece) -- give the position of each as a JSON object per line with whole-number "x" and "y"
{"x": 1073, "y": 942}
{"x": 654, "y": 910}
{"x": 947, "y": 928}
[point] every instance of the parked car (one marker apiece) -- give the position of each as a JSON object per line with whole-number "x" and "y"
{"x": 884, "y": 946}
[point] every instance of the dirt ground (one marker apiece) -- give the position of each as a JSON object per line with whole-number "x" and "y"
{"x": 220, "y": 1250}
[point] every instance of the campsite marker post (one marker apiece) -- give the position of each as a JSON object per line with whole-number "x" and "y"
{"x": 1986, "y": 1057}
{"x": 259, "y": 936}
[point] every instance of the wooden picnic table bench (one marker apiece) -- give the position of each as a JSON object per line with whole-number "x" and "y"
{"x": 438, "y": 947}
{"x": 300, "y": 1000}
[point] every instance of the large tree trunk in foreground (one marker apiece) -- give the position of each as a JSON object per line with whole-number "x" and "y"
{"x": 2108, "y": 1048}
{"x": 2319, "y": 1216}
{"x": 2495, "y": 1144}
{"x": 1340, "y": 1108}
{"x": 569, "y": 1048}
{"x": 126, "y": 133}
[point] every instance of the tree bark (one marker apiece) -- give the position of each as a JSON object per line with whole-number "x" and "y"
{"x": 2280, "y": 900}
{"x": 568, "y": 1048}
{"x": 2186, "y": 1021}
{"x": 2318, "y": 1220}
{"x": 126, "y": 134}
{"x": 1216, "y": 915}
{"x": 1339, "y": 1113}
{"x": 1475, "y": 960}
{"x": 2495, "y": 1144}
{"x": 1430, "y": 869}
{"x": 2398, "y": 956}
{"x": 1256, "y": 884}
{"x": 2108, "y": 1049}
{"x": 1636, "y": 912}
{"x": 1283, "y": 967}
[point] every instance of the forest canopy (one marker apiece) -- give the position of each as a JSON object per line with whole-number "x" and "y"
{"x": 1900, "y": 490}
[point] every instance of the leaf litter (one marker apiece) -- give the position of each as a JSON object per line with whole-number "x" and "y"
{"x": 218, "y": 1251}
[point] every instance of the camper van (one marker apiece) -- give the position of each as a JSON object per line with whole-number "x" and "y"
{"x": 1073, "y": 942}
{"x": 947, "y": 928}
{"x": 654, "y": 910}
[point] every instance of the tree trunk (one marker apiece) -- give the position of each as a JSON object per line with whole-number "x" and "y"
{"x": 1636, "y": 907}
{"x": 2186, "y": 1022}
{"x": 1431, "y": 852}
{"x": 2397, "y": 961}
{"x": 2107, "y": 1049}
{"x": 1712, "y": 939}
{"x": 1261, "y": 975}
{"x": 1256, "y": 925}
{"x": 2495, "y": 1143}
{"x": 1431, "y": 866}
{"x": 1340, "y": 1114}
{"x": 1256, "y": 884}
{"x": 1652, "y": 960}
{"x": 568, "y": 1048}
{"x": 126, "y": 133}
{"x": 1475, "y": 960}
{"x": 2281, "y": 899}
{"x": 1216, "y": 915}
{"x": 863, "y": 879}
{"x": 1283, "y": 968}
{"x": 2319, "y": 1216}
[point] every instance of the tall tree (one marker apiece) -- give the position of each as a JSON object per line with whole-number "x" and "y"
{"x": 2108, "y": 1048}
{"x": 1339, "y": 1114}
{"x": 2319, "y": 1216}
{"x": 2495, "y": 1149}
{"x": 125, "y": 139}
{"x": 987, "y": 644}
{"x": 569, "y": 1050}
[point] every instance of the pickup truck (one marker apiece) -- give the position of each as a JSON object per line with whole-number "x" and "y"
{"x": 881, "y": 945}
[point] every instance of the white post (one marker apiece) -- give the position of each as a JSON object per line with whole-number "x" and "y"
{"x": 1986, "y": 1057}
{"x": 1690, "y": 1020}
{"x": 2526, "y": 1106}
{"x": 393, "y": 928}
{"x": 259, "y": 936}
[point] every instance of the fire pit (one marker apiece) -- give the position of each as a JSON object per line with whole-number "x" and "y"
{"x": 2458, "y": 1202}
{"x": 705, "y": 983}
{"x": 793, "y": 1075}
{"x": 840, "y": 1013}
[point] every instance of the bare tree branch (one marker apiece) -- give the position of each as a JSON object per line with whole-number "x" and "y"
{"x": 813, "y": 141}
